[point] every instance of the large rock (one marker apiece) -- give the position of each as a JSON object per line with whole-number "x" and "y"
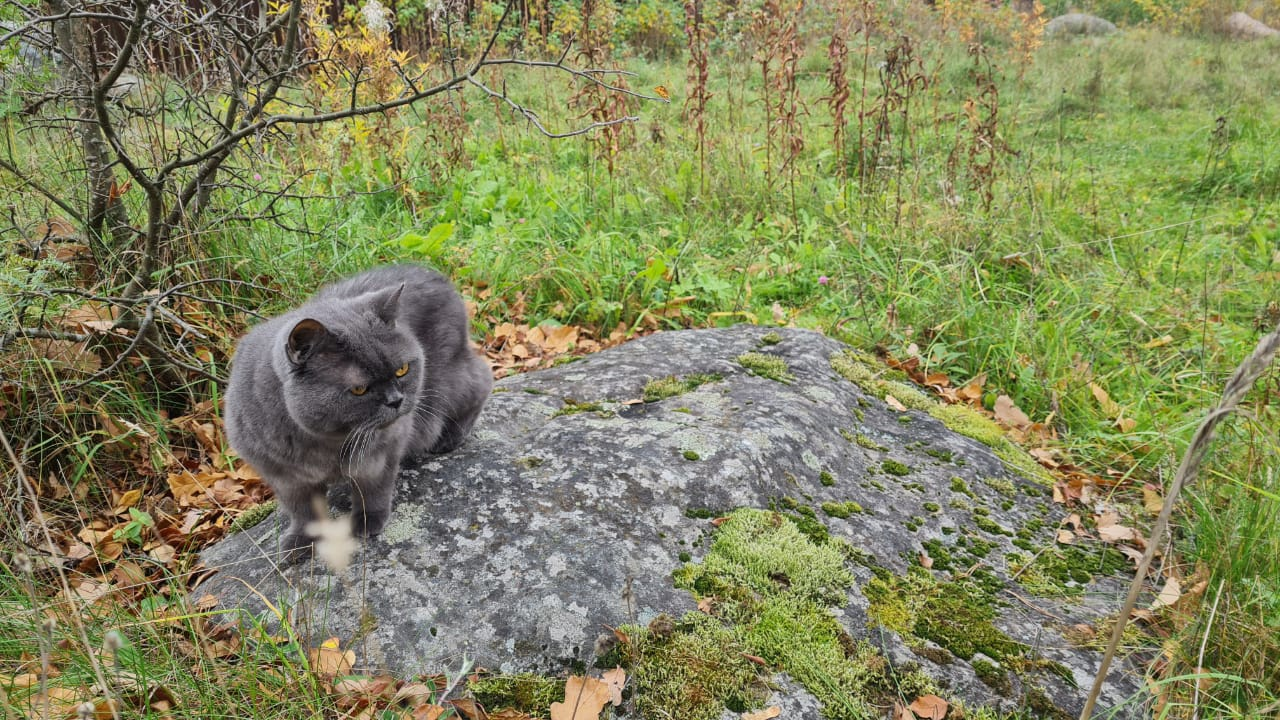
{"x": 1078, "y": 25}
{"x": 572, "y": 504}
{"x": 1242, "y": 26}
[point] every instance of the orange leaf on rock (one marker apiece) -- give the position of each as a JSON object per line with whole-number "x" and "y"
{"x": 584, "y": 698}
{"x": 615, "y": 679}
{"x": 894, "y": 403}
{"x": 929, "y": 707}
{"x": 1110, "y": 529}
{"x": 768, "y": 713}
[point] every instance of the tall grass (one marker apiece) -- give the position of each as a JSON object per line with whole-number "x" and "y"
{"x": 1080, "y": 215}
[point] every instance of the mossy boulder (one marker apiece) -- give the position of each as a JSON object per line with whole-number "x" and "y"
{"x": 815, "y": 531}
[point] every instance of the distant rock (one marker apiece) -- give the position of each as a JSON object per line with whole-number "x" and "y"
{"x": 584, "y": 501}
{"x": 1241, "y": 26}
{"x": 1078, "y": 25}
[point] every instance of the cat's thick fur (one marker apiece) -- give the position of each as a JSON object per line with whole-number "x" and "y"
{"x": 371, "y": 369}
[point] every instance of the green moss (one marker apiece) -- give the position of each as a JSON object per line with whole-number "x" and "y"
{"x": 868, "y": 443}
{"x": 943, "y": 455}
{"x": 1064, "y": 570}
{"x": 685, "y": 557}
{"x": 697, "y": 513}
{"x": 530, "y": 694}
{"x": 693, "y": 669}
{"x": 990, "y": 526}
{"x": 936, "y": 655}
{"x": 958, "y": 485}
{"x": 1002, "y": 486}
{"x": 529, "y": 462}
{"x": 841, "y": 509}
{"x": 766, "y": 366}
{"x": 993, "y": 676}
{"x": 573, "y": 407}
{"x": 772, "y": 338}
{"x": 671, "y": 386}
{"x": 971, "y": 423}
{"x": 252, "y": 516}
{"x": 691, "y": 455}
{"x": 893, "y": 467}
{"x": 776, "y": 586}
{"x": 826, "y": 478}
{"x": 905, "y": 419}
{"x": 858, "y": 369}
{"x": 932, "y": 507}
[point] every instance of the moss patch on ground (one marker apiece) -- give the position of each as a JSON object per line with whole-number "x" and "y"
{"x": 670, "y": 386}
{"x": 1064, "y": 570}
{"x": 766, "y": 366}
{"x": 530, "y": 694}
{"x": 251, "y": 517}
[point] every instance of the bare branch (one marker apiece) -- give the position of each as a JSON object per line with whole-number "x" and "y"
{"x": 45, "y": 192}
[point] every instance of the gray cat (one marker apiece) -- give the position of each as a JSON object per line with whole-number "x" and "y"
{"x": 371, "y": 369}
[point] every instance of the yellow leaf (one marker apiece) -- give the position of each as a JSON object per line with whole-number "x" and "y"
{"x": 1151, "y": 500}
{"x": 1157, "y": 342}
{"x": 662, "y": 92}
{"x": 894, "y": 403}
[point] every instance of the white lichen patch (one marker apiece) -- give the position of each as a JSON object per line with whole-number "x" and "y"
{"x": 403, "y": 525}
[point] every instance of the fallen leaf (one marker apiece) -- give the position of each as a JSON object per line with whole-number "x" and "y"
{"x": 894, "y": 403}
{"x": 1066, "y": 537}
{"x": 473, "y": 710}
{"x": 1151, "y": 500}
{"x": 329, "y": 659}
{"x": 929, "y": 707}
{"x": 1126, "y": 425}
{"x": 1109, "y": 406}
{"x": 615, "y": 679}
{"x": 900, "y": 712}
{"x": 1110, "y": 530}
{"x": 768, "y": 713}
{"x": 1009, "y": 414}
{"x": 1157, "y": 342}
{"x": 1169, "y": 594}
{"x": 584, "y": 698}
{"x": 926, "y": 562}
{"x": 509, "y": 714}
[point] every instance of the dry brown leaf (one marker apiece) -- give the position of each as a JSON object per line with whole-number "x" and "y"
{"x": 1009, "y": 414}
{"x": 1110, "y": 407}
{"x": 616, "y": 679}
{"x": 900, "y": 712}
{"x": 1152, "y": 502}
{"x": 926, "y": 562}
{"x": 1066, "y": 537}
{"x": 768, "y": 713}
{"x": 329, "y": 659}
{"x": 1126, "y": 425}
{"x": 894, "y": 403}
{"x": 1169, "y": 594}
{"x": 584, "y": 698}
{"x": 1110, "y": 529}
{"x": 471, "y": 709}
{"x": 929, "y": 707}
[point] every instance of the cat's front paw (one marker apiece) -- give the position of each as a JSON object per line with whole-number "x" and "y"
{"x": 296, "y": 547}
{"x": 368, "y": 523}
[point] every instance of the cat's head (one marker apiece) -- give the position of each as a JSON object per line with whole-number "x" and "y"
{"x": 350, "y": 367}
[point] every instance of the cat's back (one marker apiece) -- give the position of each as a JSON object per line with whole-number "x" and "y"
{"x": 423, "y": 285}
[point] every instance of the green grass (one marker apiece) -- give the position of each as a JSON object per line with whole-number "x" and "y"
{"x": 1133, "y": 241}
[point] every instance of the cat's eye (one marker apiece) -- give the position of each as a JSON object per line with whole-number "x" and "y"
{"x": 402, "y": 370}
{"x": 359, "y": 390}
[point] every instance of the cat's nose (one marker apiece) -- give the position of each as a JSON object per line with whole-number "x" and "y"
{"x": 393, "y": 400}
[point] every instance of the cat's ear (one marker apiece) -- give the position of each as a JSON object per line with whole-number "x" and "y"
{"x": 386, "y": 304}
{"x": 304, "y": 339}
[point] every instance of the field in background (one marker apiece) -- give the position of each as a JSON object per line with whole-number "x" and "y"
{"x": 1094, "y": 226}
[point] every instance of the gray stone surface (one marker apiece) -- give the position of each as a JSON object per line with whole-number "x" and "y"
{"x": 1243, "y": 26}
{"x": 1078, "y": 25}
{"x": 518, "y": 548}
